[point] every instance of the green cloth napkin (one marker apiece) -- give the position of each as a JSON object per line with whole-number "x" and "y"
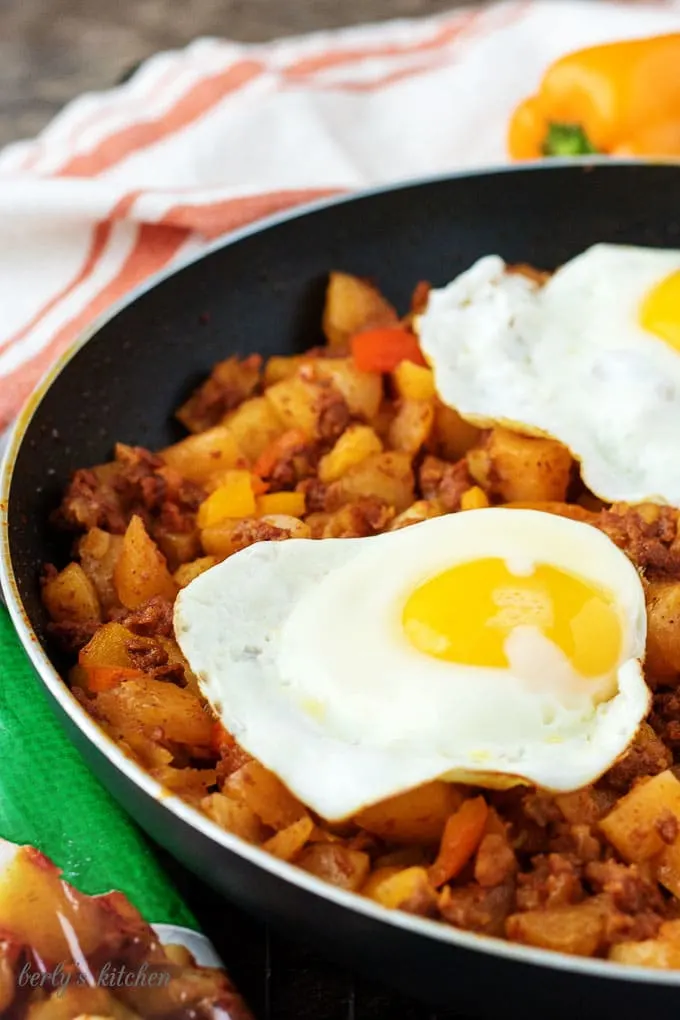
{"x": 50, "y": 800}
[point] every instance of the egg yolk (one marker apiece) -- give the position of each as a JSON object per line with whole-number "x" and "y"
{"x": 660, "y": 312}
{"x": 466, "y": 613}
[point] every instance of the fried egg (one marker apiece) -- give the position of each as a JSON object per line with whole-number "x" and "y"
{"x": 492, "y": 646}
{"x": 591, "y": 358}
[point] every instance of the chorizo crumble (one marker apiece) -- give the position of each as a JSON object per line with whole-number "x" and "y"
{"x": 315, "y": 446}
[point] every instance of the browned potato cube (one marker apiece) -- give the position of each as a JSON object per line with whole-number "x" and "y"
{"x": 178, "y": 547}
{"x": 296, "y": 403}
{"x": 633, "y": 826}
{"x": 108, "y": 647}
{"x": 234, "y": 816}
{"x": 336, "y": 864}
{"x": 662, "y": 952}
{"x": 417, "y": 816}
{"x": 254, "y": 425}
{"x": 386, "y": 476}
{"x": 663, "y": 628}
{"x": 157, "y": 705}
{"x": 577, "y": 930}
{"x": 353, "y": 304}
{"x": 452, "y": 436}
{"x": 355, "y": 444}
{"x": 396, "y": 888}
{"x": 70, "y": 596}
{"x": 141, "y": 570}
{"x": 198, "y": 457}
{"x": 287, "y": 844}
{"x": 516, "y": 467}
{"x": 265, "y": 795}
{"x": 280, "y": 367}
{"x": 229, "y": 383}
{"x": 99, "y": 551}
{"x": 411, "y": 426}
{"x": 363, "y": 391}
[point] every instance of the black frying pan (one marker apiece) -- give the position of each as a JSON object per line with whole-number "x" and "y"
{"x": 263, "y": 291}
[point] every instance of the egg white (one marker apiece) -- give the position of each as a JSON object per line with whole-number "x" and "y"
{"x": 299, "y": 647}
{"x": 569, "y": 360}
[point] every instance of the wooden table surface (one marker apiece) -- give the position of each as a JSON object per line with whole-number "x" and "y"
{"x": 53, "y": 50}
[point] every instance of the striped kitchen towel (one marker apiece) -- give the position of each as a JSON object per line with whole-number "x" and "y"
{"x": 129, "y": 182}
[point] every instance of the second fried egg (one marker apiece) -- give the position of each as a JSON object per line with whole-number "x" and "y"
{"x": 591, "y": 358}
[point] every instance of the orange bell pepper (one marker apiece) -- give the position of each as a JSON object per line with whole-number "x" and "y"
{"x": 279, "y": 447}
{"x": 620, "y": 98}
{"x": 381, "y": 350}
{"x": 462, "y": 834}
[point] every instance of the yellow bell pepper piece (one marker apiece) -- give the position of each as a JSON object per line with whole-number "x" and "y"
{"x": 604, "y": 99}
{"x": 290, "y": 503}
{"x": 233, "y": 498}
{"x": 473, "y": 498}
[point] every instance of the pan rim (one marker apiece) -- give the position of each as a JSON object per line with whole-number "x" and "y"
{"x": 428, "y": 930}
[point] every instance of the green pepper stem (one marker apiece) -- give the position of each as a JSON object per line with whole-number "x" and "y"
{"x": 567, "y": 140}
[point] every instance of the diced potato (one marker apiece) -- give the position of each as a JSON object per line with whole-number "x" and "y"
{"x": 185, "y": 574}
{"x": 421, "y": 510}
{"x": 291, "y": 504}
{"x": 141, "y": 570}
{"x": 336, "y": 864}
{"x": 577, "y": 930}
{"x": 70, "y": 596}
{"x": 234, "y": 498}
{"x": 414, "y": 382}
{"x": 218, "y": 541}
{"x": 230, "y": 382}
{"x": 198, "y": 457}
{"x": 387, "y": 476}
{"x": 662, "y": 952}
{"x": 178, "y": 547}
{"x": 157, "y": 705}
{"x": 363, "y": 391}
{"x": 452, "y": 436}
{"x": 516, "y": 467}
{"x": 582, "y": 807}
{"x": 379, "y": 875}
{"x": 353, "y": 304}
{"x": 98, "y": 552}
{"x": 294, "y": 527}
{"x": 663, "y": 628}
{"x": 264, "y": 794}
{"x": 234, "y": 816}
{"x": 396, "y": 887}
{"x": 632, "y": 826}
{"x": 474, "y": 498}
{"x": 355, "y": 444}
{"x": 108, "y": 647}
{"x": 288, "y": 843}
{"x": 417, "y": 816}
{"x": 279, "y": 368}
{"x": 254, "y": 425}
{"x": 412, "y": 425}
{"x": 296, "y": 402}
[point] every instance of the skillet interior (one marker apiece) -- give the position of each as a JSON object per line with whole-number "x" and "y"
{"x": 265, "y": 293}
